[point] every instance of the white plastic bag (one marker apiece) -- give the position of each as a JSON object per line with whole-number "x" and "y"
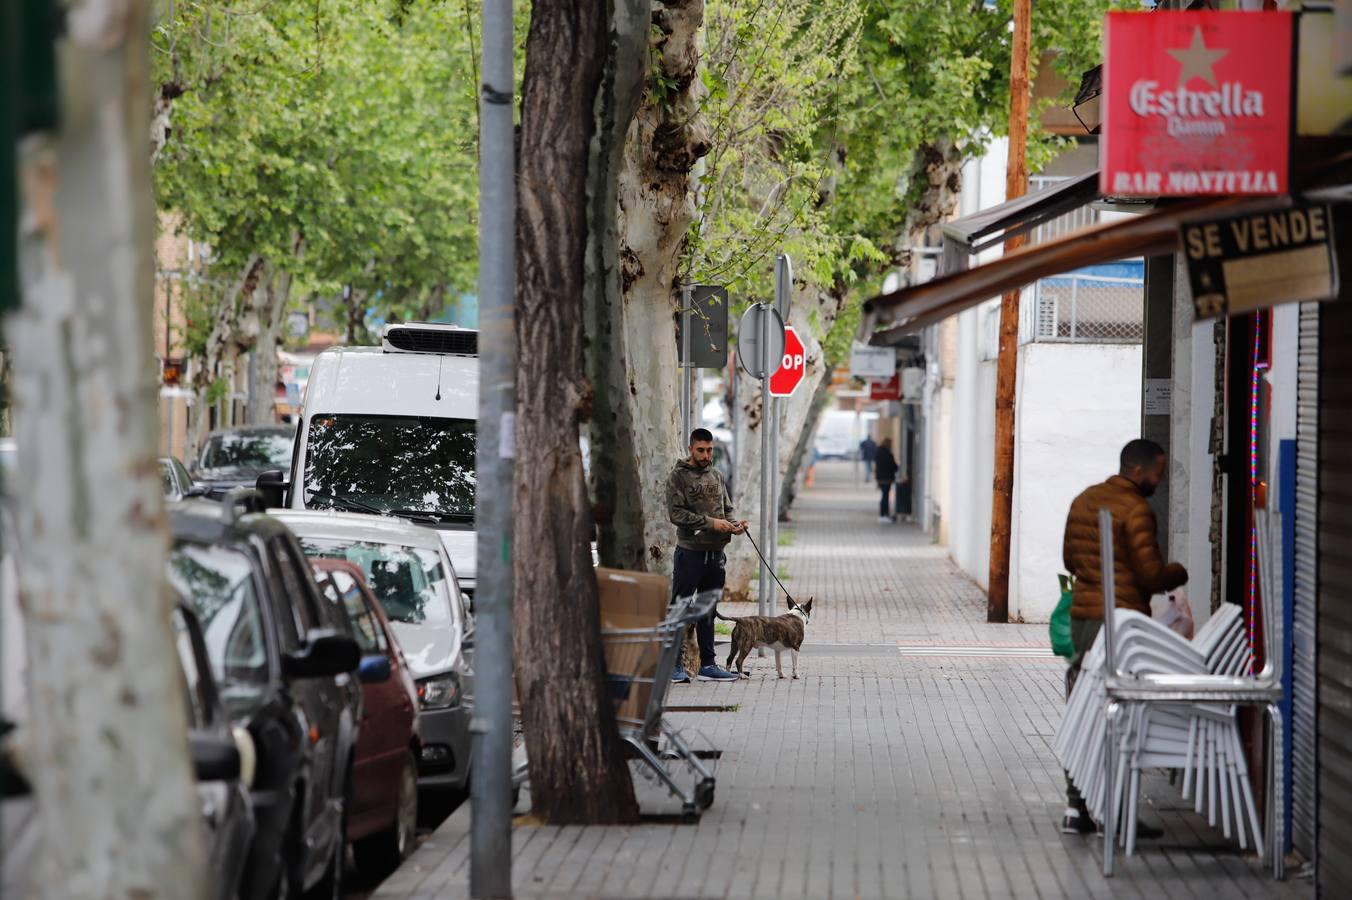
{"x": 1176, "y": 614}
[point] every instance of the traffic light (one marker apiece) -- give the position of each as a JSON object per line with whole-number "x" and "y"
{"x": 28, "y": 102}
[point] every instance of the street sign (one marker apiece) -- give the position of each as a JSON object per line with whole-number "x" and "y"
{"x": 792, "y": 366}
{"x": 1196, "y": 103}
{"x": 756, "y": 359}
{"x": 872, "y": 362}
{"x": 708, "y": 327}
{"x": 1242, "y": 263}
{"x": 886, "y": 389}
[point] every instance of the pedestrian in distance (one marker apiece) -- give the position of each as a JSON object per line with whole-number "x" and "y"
{"x": 699, "y": 506}
{"x": 1139, "y": 571}
{"x": 868, "y": 452}
{"x": 885, "y": 471}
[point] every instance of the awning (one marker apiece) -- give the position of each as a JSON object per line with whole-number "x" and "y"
{"x": 1148, "y": 234}
{"x": 1022, "y": 214}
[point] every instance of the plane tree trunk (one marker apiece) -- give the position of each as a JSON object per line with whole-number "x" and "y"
{"x": 577, "y": 768}
{"x": 105, "y": 741}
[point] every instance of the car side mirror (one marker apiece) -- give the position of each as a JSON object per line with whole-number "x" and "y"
{"x": 326, "y": 653}
{"x": 273, "y": 487}
{"x": 374, "y": 669}
{"x": 214, "y": 757}
{"x": 197, "y": 490}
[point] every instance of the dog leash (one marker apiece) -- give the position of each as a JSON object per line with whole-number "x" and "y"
{"x": 768, "y": 567}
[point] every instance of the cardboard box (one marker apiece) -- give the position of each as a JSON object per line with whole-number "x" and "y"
{"x": 632, "y": 600}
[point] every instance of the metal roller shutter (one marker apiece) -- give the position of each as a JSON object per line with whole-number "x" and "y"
{"x": 1334, "y": 634}
{"x": 1303, "y": 658}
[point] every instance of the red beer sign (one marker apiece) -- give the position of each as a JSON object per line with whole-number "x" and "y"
{"x": 1196, "y": 103}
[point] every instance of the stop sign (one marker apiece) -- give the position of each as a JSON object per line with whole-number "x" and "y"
{"x": 792, "y": 367}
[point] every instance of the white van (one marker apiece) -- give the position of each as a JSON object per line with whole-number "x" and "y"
{"x": 391, "y": 430}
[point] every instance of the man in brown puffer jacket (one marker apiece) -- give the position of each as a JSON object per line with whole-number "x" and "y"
{"x": 1139, "y": 570}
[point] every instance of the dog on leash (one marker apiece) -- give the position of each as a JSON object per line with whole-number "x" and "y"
{"x": 778, "y": 633}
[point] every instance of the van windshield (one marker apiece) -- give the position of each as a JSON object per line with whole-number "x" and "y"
{"x": 399, "y": 464}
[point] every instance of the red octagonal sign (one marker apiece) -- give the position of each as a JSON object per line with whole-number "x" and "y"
{"x": 792, "y": 367}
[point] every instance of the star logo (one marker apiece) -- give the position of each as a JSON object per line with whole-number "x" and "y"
{"x": 1197, "y": 60}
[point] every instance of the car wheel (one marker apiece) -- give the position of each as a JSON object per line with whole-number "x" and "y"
{"x": 382, "y": 853}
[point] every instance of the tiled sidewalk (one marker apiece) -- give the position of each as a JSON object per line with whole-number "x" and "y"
{"x": 881, "y": 773}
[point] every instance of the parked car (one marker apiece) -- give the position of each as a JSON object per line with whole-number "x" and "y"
{"x": 382, "y": 821}
{"x": 281, "y": 658}
{"x": 391, "y": 430}
{"x": 221, "y": 758}
{"x": 178, "y": 484}
{"x": 411, "y": 576}
{"x": 234, "y": 457}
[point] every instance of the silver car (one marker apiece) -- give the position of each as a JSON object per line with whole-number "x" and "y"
{"x": 408, "y": 570}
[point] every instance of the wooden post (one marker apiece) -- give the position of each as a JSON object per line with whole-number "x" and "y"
{"x": 1016, "y": 185}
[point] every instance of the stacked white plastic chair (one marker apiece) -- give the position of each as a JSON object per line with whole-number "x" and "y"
{"x": 1166, "y": 702}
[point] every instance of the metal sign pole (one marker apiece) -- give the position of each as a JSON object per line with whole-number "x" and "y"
{"x": 490, "y": 873}
{"x": 766, "y": 481}
{"x": 686, "y": 369}
{"x": 783, "y": 288}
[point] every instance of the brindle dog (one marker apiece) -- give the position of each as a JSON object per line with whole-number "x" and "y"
{"x": 778, "y": 634}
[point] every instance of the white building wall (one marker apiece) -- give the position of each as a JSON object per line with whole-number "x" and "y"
{"x": 1077, "y": 405}
{"x": 973, "y": 451}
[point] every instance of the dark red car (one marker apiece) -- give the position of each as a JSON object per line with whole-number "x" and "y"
{"x": 383, "y": 819}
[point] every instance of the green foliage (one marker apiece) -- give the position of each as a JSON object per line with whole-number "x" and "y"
{"x": 819, "y": 111}
{"x": 773, "y": 77}
{"x": 335, "y": 138}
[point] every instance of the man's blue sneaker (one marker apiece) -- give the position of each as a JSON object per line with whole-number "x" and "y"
{"x": 679, "y": 676}
{"x": 716, "y": 673}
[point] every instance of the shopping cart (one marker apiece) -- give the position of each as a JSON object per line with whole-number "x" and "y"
{"x": 639, "y": 665}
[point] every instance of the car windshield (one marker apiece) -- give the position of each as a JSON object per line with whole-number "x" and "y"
{"x": 219, "y": 583}
{"x": 409, "y": 582}
{"x": 248, "y": 450}
{"x": 403, "y": 464}
{"x": 167, "y": 476}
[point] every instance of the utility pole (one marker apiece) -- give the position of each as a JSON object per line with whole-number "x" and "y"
{"x": 1016, "y": 185}
{"x": 491, "y": 722}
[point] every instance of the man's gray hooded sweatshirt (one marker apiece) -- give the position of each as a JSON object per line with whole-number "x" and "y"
{"x": 695, "y": 497}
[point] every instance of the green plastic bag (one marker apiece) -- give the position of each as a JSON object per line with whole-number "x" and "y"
{"x": 1059, "y": 627}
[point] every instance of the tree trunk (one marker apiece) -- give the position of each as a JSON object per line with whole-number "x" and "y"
{"x": 615, "y": 474}
{"x": 933, "y": 185}
{"x": 220, "y": 344}
{"x": 117, "y": 803}
{"x": 803, "y": 443}
{"x": 268, "y": 313}
{"x": 657, "y": 206}
{"x": 577, "y": 767}
{"x": 272, "y": 319}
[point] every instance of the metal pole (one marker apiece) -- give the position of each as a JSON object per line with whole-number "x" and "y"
{"x": 686, "y": 369}
{"x": 765, "y": 481}
{"x": 783, "y": 292}
{"x": 491, "y": 722}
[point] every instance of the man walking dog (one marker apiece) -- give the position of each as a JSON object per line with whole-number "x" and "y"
{"x": 699, "y": 507}
{"x": 1139, "y": 571}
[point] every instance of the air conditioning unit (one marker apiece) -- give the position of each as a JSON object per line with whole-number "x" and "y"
{"x": 430, "y": 337}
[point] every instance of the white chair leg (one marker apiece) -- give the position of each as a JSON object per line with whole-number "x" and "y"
{"x": 1110, "y": 805}
{"x": 1276, "y": 792}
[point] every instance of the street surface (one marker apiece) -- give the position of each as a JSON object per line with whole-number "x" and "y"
{"x": 912, "y": 759}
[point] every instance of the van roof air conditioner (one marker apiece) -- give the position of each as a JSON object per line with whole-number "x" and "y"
{"x": 430, "y": 337}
